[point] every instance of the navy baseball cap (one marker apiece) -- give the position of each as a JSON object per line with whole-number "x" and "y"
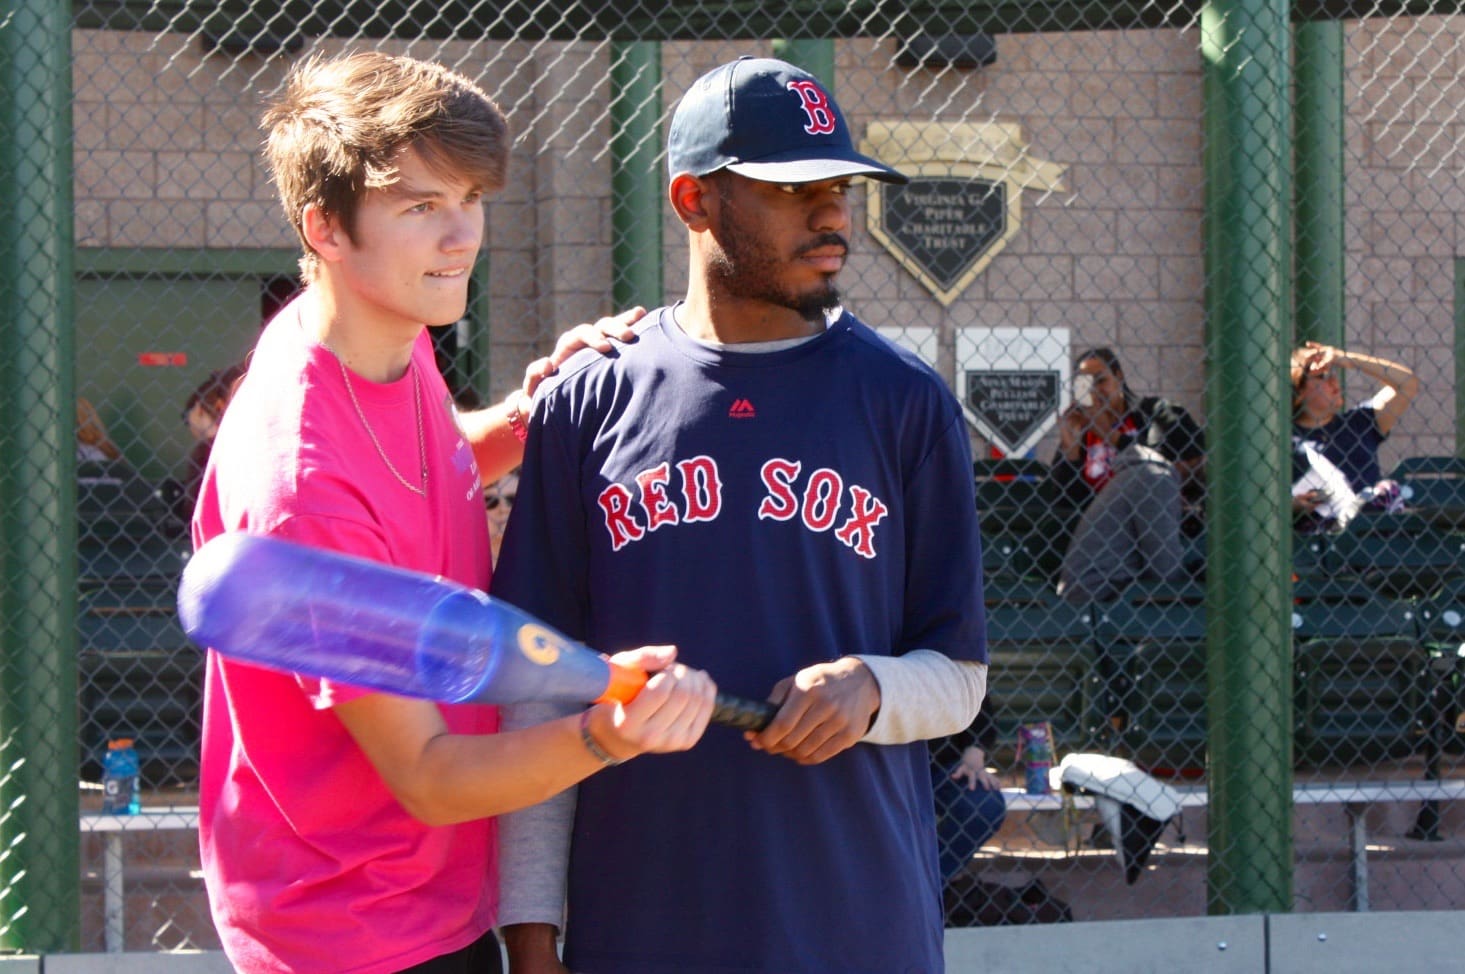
{"x": 767, "y": 120}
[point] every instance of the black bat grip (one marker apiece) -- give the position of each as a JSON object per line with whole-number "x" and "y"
{"x": 742, "y": 714}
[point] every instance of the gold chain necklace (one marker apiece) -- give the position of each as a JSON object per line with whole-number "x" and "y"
{"x": 417, "y": 409}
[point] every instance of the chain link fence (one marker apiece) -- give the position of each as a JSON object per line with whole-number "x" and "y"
{"x": 1066, "y": 167}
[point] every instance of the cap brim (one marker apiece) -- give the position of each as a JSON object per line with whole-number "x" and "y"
{"x": 814, "y": 170}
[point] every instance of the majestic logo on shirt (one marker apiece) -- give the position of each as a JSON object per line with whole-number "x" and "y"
{"x": 821, "y": 502}
{"x": 742, "y": 409}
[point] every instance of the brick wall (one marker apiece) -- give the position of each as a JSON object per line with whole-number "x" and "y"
{"x": 166, "y": 140}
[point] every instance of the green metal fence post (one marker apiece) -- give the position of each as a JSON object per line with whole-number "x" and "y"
{"x": 40, "y": 908}
{"x": 1319, "y": 193}
{"x": 1249, "y": 705}
{"x": 1460, "y": 358}
{"x": 638, "y": 180}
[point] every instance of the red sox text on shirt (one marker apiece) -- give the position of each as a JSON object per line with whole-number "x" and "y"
{"x": 661, "y": 499}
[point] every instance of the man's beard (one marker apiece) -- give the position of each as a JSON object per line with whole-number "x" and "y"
{"x": 744, "y": 267}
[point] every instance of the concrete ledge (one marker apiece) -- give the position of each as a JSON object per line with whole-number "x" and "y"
{"x": 1196, "y": 945}
{"x": 179, "y": 962}
{"x": 1334, "y": 942}
{"x": 1299, "y": 943}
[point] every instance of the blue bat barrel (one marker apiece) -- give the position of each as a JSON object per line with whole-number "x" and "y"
{"x": 307, "y": 610}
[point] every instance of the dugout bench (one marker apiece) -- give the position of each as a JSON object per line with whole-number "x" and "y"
{"x": 1354, "y": 796}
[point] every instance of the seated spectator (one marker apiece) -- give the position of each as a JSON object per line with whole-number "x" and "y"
{"x": 1329, "y": 440}
{"x": 498, "y": 498}
{"x": 93, "y": 445}
{"x": 1104, "y": 418}
{"x": 1126, "y": 464}
{"x": 108, "y": 487}
{"x": 202, "y": 411}
{"x": 1130, "y": 532}
{"x": 970, "y": 807}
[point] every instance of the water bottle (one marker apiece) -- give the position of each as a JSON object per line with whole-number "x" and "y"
{"x": 1035, "y": 749}
{"x": 119, "y": 778}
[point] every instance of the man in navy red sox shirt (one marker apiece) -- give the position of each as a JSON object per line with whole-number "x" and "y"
{"x": 764, "y": 482}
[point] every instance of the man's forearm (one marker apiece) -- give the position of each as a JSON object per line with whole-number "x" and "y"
{"x": 534, "y": 843}
{"x": 924, "y": 694}
{"x": 529, "y": 944}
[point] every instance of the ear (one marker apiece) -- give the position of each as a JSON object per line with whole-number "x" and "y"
{"x": 690, "y": 198}
{"x": 322, "y": 232}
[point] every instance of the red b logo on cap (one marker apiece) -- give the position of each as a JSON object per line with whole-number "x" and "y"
{"x": 816, "y": 105}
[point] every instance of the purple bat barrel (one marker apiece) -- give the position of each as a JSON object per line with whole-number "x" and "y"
{"x": 307, "y": 610}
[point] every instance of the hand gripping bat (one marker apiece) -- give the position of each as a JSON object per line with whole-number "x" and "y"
{"x": 300, "y": 609}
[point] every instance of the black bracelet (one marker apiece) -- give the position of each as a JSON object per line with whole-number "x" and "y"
{"x": 596, "y": 751}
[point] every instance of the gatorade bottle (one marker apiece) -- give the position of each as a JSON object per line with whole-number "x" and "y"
{"x": 1035, "y": 750}
{"x": 119, "y": 778}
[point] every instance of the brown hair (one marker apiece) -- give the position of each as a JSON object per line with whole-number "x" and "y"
{"x": 337, "y": 129}
{"x": 214, "y": 392}
{"x": 1299, "y": 371}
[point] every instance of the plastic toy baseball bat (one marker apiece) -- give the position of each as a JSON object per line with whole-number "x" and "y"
{"x": 300, "y": 609}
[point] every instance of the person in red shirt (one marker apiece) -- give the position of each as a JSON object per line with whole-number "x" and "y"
{"x": 1124, "y": 467}
{"x": 342, "y": 829}
{"x": 1104, "y": 418}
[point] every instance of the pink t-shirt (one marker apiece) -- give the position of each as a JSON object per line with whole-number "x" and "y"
{"x": 310, "y": 863}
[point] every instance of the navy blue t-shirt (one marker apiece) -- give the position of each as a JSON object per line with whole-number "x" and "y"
{"x": 763, "y": 512}
{"x": 1351, "y": 441}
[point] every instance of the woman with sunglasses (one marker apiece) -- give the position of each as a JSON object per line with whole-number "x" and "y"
{"x": 498, "y": 499}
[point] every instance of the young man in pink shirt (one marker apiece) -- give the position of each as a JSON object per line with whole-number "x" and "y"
{"x": 344, "y": 829}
